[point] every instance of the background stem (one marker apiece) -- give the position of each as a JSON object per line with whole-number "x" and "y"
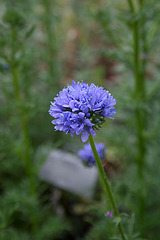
{"x": 139, "y": 76}
{"x": 51, "y": 43}
{"x": 26, "y": 150}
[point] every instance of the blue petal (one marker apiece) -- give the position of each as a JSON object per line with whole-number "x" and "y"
{"x": 84, "y": 136}
{"x": 93, "y": 133}
{"x": 81, "y": 115}
{"x": 79, "y": 129}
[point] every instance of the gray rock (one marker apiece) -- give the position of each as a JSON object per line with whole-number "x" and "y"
{"x": 67, "y": 172}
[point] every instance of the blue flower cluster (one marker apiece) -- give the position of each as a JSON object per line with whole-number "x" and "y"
{"x": 81, "y": 108}
{"x": 86, "y": 153}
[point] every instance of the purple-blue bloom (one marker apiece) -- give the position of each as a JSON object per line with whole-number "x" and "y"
{"x": 6, "y": 66}
{"x": 81, "y": 109}
{"x": 109, "y": 214}
{"x": 86, "y": 153}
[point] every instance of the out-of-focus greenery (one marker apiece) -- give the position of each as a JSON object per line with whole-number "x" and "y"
{"x": 44, "y": 44}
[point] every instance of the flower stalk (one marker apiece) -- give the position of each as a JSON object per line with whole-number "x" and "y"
{"x": 106, "y": 184}
{"x": 81, "y": 109}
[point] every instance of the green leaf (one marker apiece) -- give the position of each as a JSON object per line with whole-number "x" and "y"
{"x": 117, "y": 221}
{"x": 29, "y": 32}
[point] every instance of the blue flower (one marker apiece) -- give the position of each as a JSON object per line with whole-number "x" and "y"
{"x": 81, "y": 109}
{"x": 109, "y": 214}
{"x": 86, "y": 153}
{"x": 6, "y": 66}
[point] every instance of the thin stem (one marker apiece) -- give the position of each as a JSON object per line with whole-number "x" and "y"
{"x": 51, "y": 43}
{"x": 106, "y": 184}
{"x": 141, "y": 122}
{"x": 139, "y": 75}
{"x": 144, "y": 50}
{"x": 26, "y": 155}
{"x": 136, "y": 55}
{"x": 141, "y": 2}
{"x": 140, "y": 94}
{"x": 131, "y": 5}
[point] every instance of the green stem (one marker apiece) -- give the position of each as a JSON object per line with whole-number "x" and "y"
{"x": 144, "y": 50}
{"x": 107, "y": 199}
{"x": 26, "y": 152}
{"x": 131, "y": 6}
{"x": 139, "y": 75}
{"x": 106, "y": 184}
{"x": 141, "y": 2}
{"x": 51, "y": 43}
{"x": 140, "y": 94}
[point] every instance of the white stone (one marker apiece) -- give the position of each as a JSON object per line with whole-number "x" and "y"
{"x": 66, "y": 171}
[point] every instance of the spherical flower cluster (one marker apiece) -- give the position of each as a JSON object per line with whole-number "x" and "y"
{"x": 81, "y": 108}
{"x": 86, "y": 153}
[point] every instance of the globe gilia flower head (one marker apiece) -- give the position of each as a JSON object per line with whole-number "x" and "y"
{"x": 81, "y": 109}
{"x": 86, "y": 153}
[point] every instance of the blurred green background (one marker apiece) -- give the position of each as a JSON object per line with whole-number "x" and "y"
{"x": 44, "y": 44}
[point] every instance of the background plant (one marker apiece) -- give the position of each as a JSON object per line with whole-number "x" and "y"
{"x": 55, "y": 42}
